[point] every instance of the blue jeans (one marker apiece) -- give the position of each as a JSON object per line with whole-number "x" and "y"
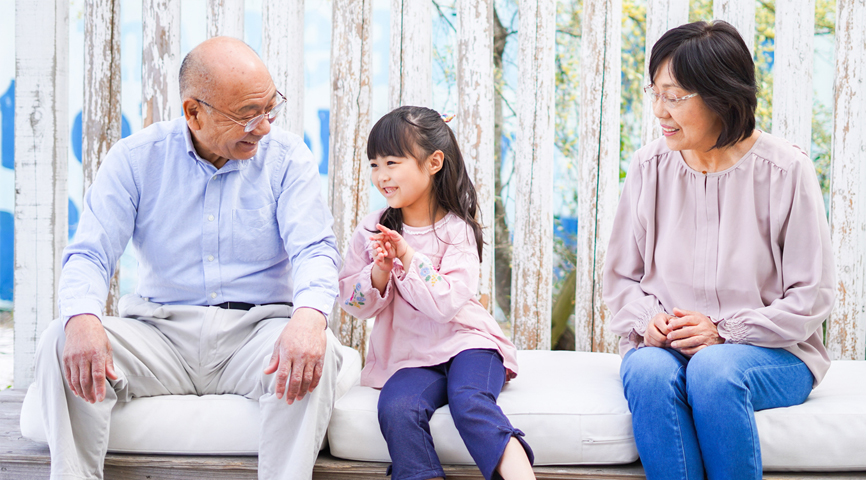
{"x": 470, "y": 383}
{"x": 696, "y": 415}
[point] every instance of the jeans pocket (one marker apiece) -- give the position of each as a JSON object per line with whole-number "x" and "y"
{"x": 255, "y": 234}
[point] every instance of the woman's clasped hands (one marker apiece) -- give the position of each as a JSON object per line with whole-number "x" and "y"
{"x": 685, "y": 331}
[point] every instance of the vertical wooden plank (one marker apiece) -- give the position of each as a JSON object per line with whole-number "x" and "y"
{"x": 411, "y": 67}
{"x": 160, "y": 24}
{"x": 740, "y": 14}
{"x": 41, "y": 199}
{"x": 283, "y": 53}
{"x": 792, "y": 71}
{"x": 598, "y": 167}
{"x": 532, "y": 265}
{"x": 846, "y": 328}
{"x": 348, "y": 171}
{"x": 101, "y": 114}
{"x": 475, "y": 115}
{"x": 225, "y": 17}
{"x": 661, "y": 16}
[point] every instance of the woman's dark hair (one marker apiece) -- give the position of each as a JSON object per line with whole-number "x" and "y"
{"x": 417, "y": 132}
{"x": 712, "y": 59}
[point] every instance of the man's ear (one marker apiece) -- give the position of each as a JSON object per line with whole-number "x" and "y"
{"x": 435, "y": 161}
{"x": 192, "y": 110}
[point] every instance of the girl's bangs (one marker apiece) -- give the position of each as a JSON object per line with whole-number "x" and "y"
{"x": 391, "y": 137}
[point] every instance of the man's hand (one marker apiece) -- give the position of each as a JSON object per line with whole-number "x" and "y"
{"x": 87, "y": 358}
{"x": 692, "y": 331}
{"x": 299, "y": 355}
{"x": 657, "y": 331}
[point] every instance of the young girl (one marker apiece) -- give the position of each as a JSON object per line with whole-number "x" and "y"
{"x": 415, "y": 267}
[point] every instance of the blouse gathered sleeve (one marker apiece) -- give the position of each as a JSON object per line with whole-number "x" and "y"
{"x": 441, "y": 294}
{"x": 807, "y": 271}
{"x": 632, "y": 307}
{"x": 358, "y": 296}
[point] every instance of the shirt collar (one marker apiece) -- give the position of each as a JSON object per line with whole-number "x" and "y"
{"x": 230, "y": 165}
{"x": 190, "y": 148}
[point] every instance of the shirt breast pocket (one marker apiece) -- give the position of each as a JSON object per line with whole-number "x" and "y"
{"x": 255, "y": 234}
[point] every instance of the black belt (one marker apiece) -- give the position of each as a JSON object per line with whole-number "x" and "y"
{"x": 247, "y": 306}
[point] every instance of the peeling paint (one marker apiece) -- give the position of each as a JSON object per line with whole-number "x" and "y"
{"x": 411, "y": 65}
{"x": 846, "y": 327}
{"x": 475, "y": 115}
{"x": 283, "y": 53}
{"x": 532, "y": 279}
{"x": 598, "y": 166}
{"x": 41, "y": 197}
{"x": 348, "y": 172}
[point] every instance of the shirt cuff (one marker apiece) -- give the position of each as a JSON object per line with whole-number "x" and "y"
{"x": 71, "y": 308}
{"x": 321, "y": 302}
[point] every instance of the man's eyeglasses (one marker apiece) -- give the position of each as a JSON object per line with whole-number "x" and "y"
{"x": 254, "y": 122}
{"x": 668, "y": 99}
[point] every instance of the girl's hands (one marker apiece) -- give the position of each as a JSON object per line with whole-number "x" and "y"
{"x": 401, "y": 249}
{"x": 383, "y": 263}
{"x": 385, "y": 253}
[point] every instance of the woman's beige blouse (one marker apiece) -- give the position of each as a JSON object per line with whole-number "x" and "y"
{"x": 749, "y": 247}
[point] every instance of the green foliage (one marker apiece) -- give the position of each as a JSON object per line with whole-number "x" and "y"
{"x": 633, "y": 61}
{"x": 567, "y": 93}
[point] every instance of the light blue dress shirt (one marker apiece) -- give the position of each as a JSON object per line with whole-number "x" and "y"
{"x": 255, "y": 231}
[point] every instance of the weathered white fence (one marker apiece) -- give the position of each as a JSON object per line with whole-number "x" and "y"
{"x": 41, "y": 126}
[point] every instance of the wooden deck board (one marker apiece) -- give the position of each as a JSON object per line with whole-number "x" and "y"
{"x": 23, "y": 459}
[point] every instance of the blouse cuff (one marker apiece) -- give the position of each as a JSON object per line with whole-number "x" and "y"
{"x": 732, "y": 330}
{"x": 365, "y": 288}
{"x": 641, "y": 324}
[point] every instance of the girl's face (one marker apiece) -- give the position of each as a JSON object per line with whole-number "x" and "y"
{"x": 690, "y": 125}
{"x": 404, "y": 183}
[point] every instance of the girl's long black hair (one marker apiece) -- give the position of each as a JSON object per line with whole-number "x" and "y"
{"x": 417, "y": 132}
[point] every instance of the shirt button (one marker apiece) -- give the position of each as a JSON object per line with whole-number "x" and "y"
{"x": 210, "y": 258}
{"x": 213, "y": 178}
{"x": 213, "y": 295}
{"x": 210, "y": 218}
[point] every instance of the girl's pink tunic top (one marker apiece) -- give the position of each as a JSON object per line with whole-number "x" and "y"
{"x": 429, "y": 312}
{"x": 748, "y": 247}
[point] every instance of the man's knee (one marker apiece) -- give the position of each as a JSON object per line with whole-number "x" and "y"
{"x": 333, "y": 361}
{"x": 52, "y": 340}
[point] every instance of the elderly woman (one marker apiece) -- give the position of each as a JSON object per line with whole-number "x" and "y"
{"x": 719, "y": 271}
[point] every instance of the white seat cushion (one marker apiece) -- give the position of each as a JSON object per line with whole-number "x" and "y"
{"x": 827, "y": 432}
{"x": 184, "y": 424}
{"x": 569, "y": 404}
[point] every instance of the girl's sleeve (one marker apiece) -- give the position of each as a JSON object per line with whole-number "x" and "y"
{"x": 358, "y": 296}
{"x": 807, "y": 271}
{"x": 632, "y": 307}
{"x": 440, "y": 295}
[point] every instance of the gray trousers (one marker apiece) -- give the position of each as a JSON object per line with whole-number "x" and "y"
{"x": 185, "y": 350}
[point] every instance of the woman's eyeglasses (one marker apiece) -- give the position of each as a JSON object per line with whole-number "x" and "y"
{"x": 668, "y": 99}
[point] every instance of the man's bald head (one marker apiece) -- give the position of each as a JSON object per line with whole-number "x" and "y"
{"x": 216, "y": 63}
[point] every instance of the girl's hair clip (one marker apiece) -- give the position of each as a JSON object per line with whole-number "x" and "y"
{"x": 447, "y": 117}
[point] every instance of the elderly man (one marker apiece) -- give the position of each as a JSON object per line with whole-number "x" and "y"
{"x": 232, "y": 238}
